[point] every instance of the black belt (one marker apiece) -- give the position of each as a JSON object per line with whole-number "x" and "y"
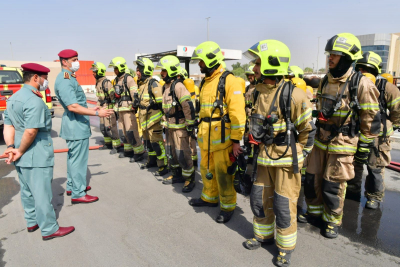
{"x": 224, "y": 119}
{"x": 179, "y": 114}
{"x": 345, "y": 129}
{"x": 154, "y": 107}
{"x": 125, "y": 98}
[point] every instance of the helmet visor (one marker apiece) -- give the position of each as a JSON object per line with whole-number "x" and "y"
{"x": 160, "y": 66}
{"x": 111, "y": 65}
{"x": 195, "y": 61}
{"x": 328, "y": 53}
{"x": 250, "y": 54}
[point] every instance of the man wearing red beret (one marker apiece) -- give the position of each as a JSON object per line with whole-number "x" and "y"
{"x": 30, "y": 148}
{"x": 75, "y": 126}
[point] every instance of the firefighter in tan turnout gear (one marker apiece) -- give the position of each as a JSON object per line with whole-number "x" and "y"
{"x": 379, "y": 157}
{"x": 221, "y": 127}
{"x": 179, "y": 119}
{"x": 282, "y": 131}
{"x": 149, "y": 102}
{"x": 248, "y": 98}
{"x": 348, "y": 120}
{"x": 106, "y": 99}
{"x": 124, "y": 89}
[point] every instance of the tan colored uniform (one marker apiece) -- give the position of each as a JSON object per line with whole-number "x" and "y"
{"x": 330, "y": 164}
{"x": 127, "y": 124}
{"x": 276, "y": 189}
{"x": 177, "y": 118}
{"x": 380, "y": 157}
{"x": 150, "y": 121}
{"x": 248, "y": 98}
{"x": 192, "y": 141}
{"x": 108, "y": 126}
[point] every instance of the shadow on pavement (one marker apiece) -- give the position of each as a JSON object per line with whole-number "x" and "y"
{"x": 58, "y": 194}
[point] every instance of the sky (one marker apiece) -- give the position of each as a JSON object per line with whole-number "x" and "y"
{"x": 100, "y": 30}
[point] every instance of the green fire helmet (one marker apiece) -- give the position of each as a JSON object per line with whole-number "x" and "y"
{"x": 171, "y": 64}
{"x": 344, "y": 44}
{"x": 118, "y": 62}
{"x": 274, "y": 55}
{"x": 209, "y": 52}
{"x": 250, "y": 70}
{"x": 296, "y": 71}
{"x": 99, "y": 68}
{"x": 372, "y": 60}
{"x": 183, "y": 73}
{"x": 147, "y": 64}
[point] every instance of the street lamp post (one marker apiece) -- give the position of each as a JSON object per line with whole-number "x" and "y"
{"x": 318, "y": 53}
{"x": 313, "y": 68}
{"x": 207, "y": 28}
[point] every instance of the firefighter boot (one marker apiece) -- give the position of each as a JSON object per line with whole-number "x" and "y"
{"x": 283, "y": 259}
{"x": 137, "y": 158}
{"x": 120, "y": 152}
{"x": 151, "y": 162}
{"x": 253, "y": 243}
{"x": 161, "y": 171}
{"x": 308, "y": 218}
{"x": 224, "y": 216}
{"x": 331, "y": 230}
{"x": 372, "y": 204}
{"x": 198, "y": 202}
{"x": 176, "y": 177}
{"x": 114, "y": 151}
{"x": 126, "y": 154}
{"x": 189, "y": 184}
{"x": 105, "y": 146}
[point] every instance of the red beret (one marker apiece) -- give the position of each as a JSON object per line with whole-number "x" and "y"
{"x": 35, "y": 68}
{"x": 68, "y": 53}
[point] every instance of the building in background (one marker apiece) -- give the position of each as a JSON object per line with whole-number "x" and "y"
{"x": 387, "y": 45}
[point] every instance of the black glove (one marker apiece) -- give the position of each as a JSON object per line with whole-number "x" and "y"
{"x": 362, "y": 153}
{"x": 189, "y": 129}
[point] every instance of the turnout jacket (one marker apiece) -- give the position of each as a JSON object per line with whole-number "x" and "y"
{"x": 248, "y": 98}
{"x": 148, "y": 116}
{"x": 183, "y": 96}
{"x": 392, "y": 98}
{"x": 369, "y": 115}
{"x": 104, "y": 98}
{"x": 120, "y": 104}
{"x": 301, "y": 117}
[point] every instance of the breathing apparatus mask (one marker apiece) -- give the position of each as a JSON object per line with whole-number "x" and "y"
{"x": 261, "y": 128}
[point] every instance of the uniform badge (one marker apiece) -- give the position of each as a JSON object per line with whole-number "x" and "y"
{"x": 73, "y": 75}
{"x": 66, "y": 75}
{"x": 37, "y": 93}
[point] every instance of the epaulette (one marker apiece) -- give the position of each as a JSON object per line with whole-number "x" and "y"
{"x": 37, "y": 93}
{"x": 66, "y": 75}
{"x": 73, "y": 75}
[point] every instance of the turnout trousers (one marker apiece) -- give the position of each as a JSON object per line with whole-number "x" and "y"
{"x": 129, "y": 133}
{"x": 221, "y": 185}
{"x": 77, "y": 160}
{"x": 179, "y": 150}
{"x": 36, "y": 196}
{"x": 193, "y": 147}
{"x": 325, "y": 184}
{"x": 108, "y": 127}
{"x": 153, "y": 138}
{"x": 274, "y": 195}
{"x": 378, "y": 159}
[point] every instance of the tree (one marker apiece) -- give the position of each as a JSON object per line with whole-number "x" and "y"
{"x": 239, "y": 69}
{"x": 308, "y": 70}
{"x": 322, "y": 70}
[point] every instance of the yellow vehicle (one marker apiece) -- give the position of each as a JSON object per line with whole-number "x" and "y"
{"x": 10, "y": 82}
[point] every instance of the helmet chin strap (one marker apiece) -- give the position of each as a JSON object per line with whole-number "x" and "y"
{"x": 209, "y": 71}
{"x": 168, "y": 79}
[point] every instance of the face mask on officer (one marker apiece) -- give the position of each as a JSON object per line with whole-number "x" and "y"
{"x": 45, "y": 84}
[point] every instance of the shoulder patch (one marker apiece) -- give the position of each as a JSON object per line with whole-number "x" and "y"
{"x": 66, "y": 75}
{"x": 73, "y": 75}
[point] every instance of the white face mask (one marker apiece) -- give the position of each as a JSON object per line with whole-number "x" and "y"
{"x": 43, "y": 86}
{"x": 75, "y": 66}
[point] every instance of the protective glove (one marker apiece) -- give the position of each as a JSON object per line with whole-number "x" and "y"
{"x": 362, "y": 153}
{"x": 189, "y": 129}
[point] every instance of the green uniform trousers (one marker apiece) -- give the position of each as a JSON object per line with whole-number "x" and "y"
{"x": 36, "y": 196}
{"x": 77, "y": 161}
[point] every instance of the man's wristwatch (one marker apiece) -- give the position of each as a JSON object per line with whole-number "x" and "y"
{"x": 13, "y": 146}
{"x": 97, "y": 113}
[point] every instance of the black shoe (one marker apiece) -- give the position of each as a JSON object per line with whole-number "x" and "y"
{"x": 308, "y": 218}
{"x": 125, "y": 154}
{"x": 148, "y": 165}
{"x": 105, "y": 147}
{"x": 198, "y": 202}
{"x": 161, "y": 171}
{"x": 253, "y": 243}
{"x": 372, "y": 204}
{"x": 224, "y": 216}
{"x": 113, "y": 151}
{"x": 331, "y": 230}
{"x": 137, "y": 158}
{"x": 283, "y": 259}
{"x": 173, "y": 180}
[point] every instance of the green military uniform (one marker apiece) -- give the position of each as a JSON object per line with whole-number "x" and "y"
{"x": 24, "y": 111}
{"x": 75, "y": 129}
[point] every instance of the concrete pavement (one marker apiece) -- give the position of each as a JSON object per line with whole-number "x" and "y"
{"x": 141, "y": 222}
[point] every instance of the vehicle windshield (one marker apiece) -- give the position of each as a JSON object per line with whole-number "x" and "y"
{"x": 10, "y": 77}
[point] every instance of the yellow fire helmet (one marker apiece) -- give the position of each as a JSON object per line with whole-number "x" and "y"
{"x": 370, "y": 76}
{"x": 344, "y": 44}
{"x": 161, "y": 82}
{"x": 300, "y": 83}
{"x": 189, "y": 84}
{"x": 309, "y": 88}
{"x": 118, "y": 62}
{"x": 371, "y": 60}
{"x": 209, "y": 52}
{"x": 242, "y": 83}
{"x": 99, "y": 68}
{"x": 388, "y": 77}
{"x": 296, "y": 72}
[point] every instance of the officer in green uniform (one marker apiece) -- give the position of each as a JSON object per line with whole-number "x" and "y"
{"x": 75, "y": 126}
{"x": 30, "y": 147}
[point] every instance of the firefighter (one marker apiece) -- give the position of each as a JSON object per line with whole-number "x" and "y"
{"x": 221, "y": 127}
{"x": 108, "y": 125}
{"x": 280, "y": 111}
{"x": 124, "y": 89}
{"x": 248, "y": 97}
{"x": 379, "y": 158}
{"x": 149, "y": 103}
{"x": 295, "y": 72}
{"x": 341, "y": 114}
{"x": 189, "y": 84}
{"x": 179, "y": 119}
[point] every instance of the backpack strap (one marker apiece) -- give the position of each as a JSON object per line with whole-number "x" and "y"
{"x": 381, "y": 85}
{"x": 219, "y": 101}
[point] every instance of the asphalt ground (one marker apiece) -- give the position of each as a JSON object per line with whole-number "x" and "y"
{"x": 138, "y": 221}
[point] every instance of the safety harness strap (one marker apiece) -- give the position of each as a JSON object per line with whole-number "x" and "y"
{"x": 381, "y": 85}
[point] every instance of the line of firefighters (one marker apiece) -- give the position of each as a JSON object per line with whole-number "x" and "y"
{"x": 353, "y": 118}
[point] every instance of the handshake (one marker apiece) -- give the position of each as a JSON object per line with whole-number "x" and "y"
{"x": 102, "y": 112}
